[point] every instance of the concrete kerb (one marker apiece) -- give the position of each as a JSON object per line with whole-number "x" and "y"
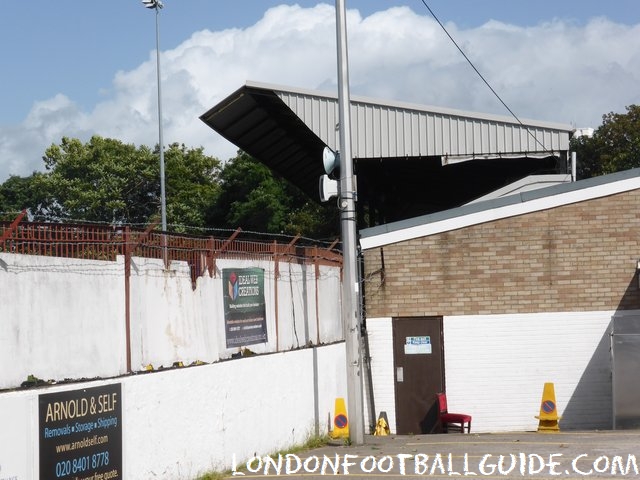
{"x": 594, "y": 454}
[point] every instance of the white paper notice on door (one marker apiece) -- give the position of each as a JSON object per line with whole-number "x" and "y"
{"x": 417, "y": 345}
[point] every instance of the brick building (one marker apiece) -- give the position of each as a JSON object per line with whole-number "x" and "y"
{"x": 503, "y": 296}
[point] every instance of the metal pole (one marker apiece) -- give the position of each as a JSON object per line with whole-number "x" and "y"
{"x": 350, "y": 282}
{"x": 163, "y": 200}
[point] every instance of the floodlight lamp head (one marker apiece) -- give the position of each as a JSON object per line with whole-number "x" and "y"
{"x": 157, "y": 4}
{"x": 331, "y": 162}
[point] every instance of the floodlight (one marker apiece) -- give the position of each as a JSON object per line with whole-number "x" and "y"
{"x": 157, "y": 5}
{"x": 153, "y": 3}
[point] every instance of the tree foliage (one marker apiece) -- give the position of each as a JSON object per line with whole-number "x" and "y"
{"x": 18, "y": 193}
{"x": 103, "y": 180}
{"x": 191, "y": 185}
{"x": 106, "y": 180}
{"x": 614, "y": 146}
{"x": 252, "y": 197}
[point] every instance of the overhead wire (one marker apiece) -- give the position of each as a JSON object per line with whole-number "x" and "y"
{"x": 486, "y": 82}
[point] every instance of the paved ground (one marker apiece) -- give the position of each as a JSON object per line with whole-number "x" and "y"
{"x": 566, "y": 455}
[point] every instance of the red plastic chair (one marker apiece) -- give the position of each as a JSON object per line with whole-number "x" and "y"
{"x": 455, "y": 420}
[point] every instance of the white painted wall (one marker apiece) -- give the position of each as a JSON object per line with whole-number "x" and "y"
{"x": 61, "y": 318}
{"x": 297, "y": 312}
{"x": 180, "y": 423}
{"x": 65, "y": 318}
{"x": 383, "y": 376}
{"x": 18, "y": 435}
{"x": 496, "y": 367}
{"x": 168, "y": 321}
{"x": 328, "y": 304}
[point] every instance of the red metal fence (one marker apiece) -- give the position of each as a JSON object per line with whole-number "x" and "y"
{"x": 103, "y": 242}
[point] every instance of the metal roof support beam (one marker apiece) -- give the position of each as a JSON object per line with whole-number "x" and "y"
{"x": 13, "y": 227}
{"x": 276, "y": 255}
{"x": 211, "y": 262}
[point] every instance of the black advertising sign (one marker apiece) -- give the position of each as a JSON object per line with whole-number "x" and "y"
{"x": 244, "y": 308}
{"x": 81, "y": 434}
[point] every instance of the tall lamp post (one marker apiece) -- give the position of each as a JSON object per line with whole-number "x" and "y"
{"x": 157, "y": 6}
{"x": 351, "y": 312}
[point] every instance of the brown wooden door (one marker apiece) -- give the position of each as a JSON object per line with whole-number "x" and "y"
{"x": 418, "y": 356}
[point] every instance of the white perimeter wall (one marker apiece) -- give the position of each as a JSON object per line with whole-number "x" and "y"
{"x": 496, "y": 367}
{"x": 180, "y": 423}
{"x": 61, "y": 318}
{"x": 65, "y": 318}
{"x": 170, "y": 322}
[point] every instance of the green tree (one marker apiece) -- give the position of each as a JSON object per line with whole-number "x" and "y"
{"x": 106, "y": 180}
{"x": 191, "y": 185}
{"x": 103, "y": 180}
{"x": 253, "y": 198}
{"x": 18, "y": 193}
{"x": 614, "y": 146}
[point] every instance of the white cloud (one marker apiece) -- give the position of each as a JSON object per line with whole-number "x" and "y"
{"x": 554, "y": 71}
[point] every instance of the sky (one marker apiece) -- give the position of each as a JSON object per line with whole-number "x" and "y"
{"x": 80, "y": 68}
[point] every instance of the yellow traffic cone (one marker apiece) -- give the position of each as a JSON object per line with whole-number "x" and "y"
{"x": 340, "y": 421}
{"x": 548, "y": 418}
{"x": 382, "y": 428}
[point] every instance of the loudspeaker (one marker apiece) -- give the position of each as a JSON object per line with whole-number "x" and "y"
{"x": 328, "y": 188}
{"x": 331, "y": 162}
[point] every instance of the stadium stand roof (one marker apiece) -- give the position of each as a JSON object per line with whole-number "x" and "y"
{"x": 409, "y": 159}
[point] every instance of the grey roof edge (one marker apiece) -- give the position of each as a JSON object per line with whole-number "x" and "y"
{"x": 521, "y": 186}
{"x": 412, "y": 106}
{"x": 500, "y": 202}
{"x": 222, "y": 104}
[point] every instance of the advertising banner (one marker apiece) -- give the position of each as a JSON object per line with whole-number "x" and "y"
{"x": 81, "y": 434}
{"x": 244, "y": 307}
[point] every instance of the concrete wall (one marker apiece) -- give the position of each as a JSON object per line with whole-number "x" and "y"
{"x": 61, "y": 318}
{"x": 179, "y": 423}
{"x": 496, "y": 367}
{"x": 65, "y": 318}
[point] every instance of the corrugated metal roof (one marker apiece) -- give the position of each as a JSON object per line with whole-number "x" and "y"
{"x": 383, "y": 129}
{"x": 407, "y": 157}
{"x": 257, "y": 121}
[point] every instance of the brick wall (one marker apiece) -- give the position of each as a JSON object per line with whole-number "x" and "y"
{"x": 577, "y": 257}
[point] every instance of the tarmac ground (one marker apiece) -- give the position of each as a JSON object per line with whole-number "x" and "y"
{"x": 566, "y": 455}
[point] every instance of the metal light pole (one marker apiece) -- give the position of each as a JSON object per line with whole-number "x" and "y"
{"x": 351, "y": 313}
{"x": 157, "y": 5}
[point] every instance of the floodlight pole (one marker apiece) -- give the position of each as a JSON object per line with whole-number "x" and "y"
{"x": 351, "y": 312}
{"x": 157, "y": 6}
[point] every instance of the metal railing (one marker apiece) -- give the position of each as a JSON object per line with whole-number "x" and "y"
{"x": 106, "y": 242}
